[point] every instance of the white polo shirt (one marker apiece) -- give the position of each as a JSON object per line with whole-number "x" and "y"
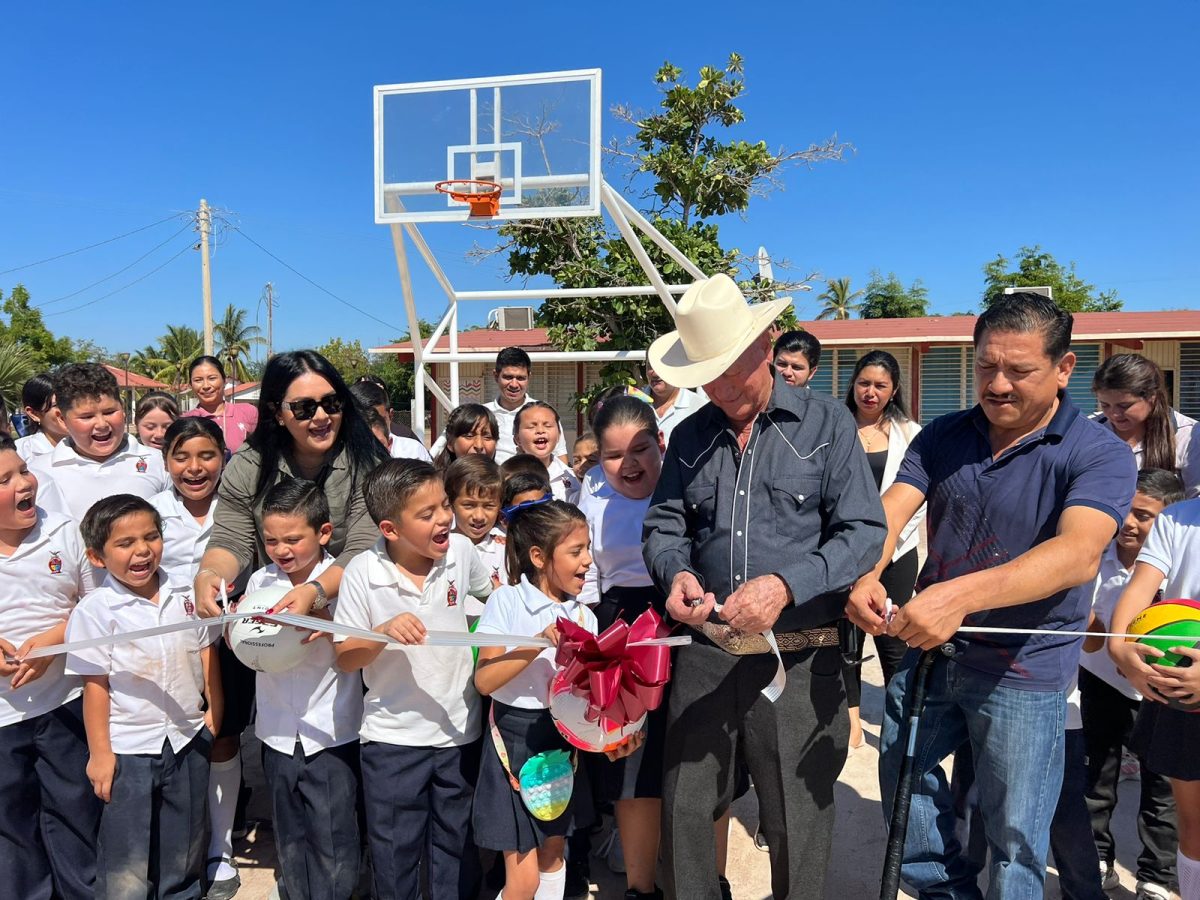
{"x": 33, "y": 445}
{"x": 1111, "y": 581}
{"x": 184, "y": 539}
{"x": 312, "y": 702}
{"x": 563, "y": 483}
{"x": 492, "y": 553}
{"x": 615, "y": 530}
{"x": 133, "y": 469}
{"x": 156, "y": 684}
{"x": 523, "y": 609}
{"x": 685, "y": 404}
{"x": 416, "y": 696}
{"x": 407, "y": 448}
{"x": 40, "y": 583}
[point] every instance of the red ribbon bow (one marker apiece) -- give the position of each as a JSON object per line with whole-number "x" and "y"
{"x": 620, "y": 683}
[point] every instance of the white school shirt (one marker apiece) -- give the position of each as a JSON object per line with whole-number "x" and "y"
{"x": 1187, "y": 454}
{"x": 312, "y": 702}
{"x": 40, "y": 583}
{"x": 133, "y": 469}
{"x": 615, "y": 530}
{"x": 33, "y": 445}
{"x": 491, "y": 551}
{"x": 184, "y": 539}
{"x": 686, "y": 403}
{"x": 416, "y": 696}
{"x": 523, "y": 609}
{"x": 1173, "y": 547}
{"x": 1111, "y": 580}
{"x": 407, "y": 448}
{"x": 156, "y": 684}
{"x": 563, "y": 483}
{"x": 506, "y": 444}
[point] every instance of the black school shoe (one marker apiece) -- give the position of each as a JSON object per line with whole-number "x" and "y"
{"x": 579, "y": 880}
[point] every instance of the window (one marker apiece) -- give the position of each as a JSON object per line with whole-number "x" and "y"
{"x": 833, "y": 374}
{"x": 1189, "y": 380}
{"x": 947, "y": 374}
{"x": 1087, "y": 361}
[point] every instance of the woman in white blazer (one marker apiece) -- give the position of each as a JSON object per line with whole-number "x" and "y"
{"x": 876, "y": 399}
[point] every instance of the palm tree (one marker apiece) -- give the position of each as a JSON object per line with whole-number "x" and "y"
{"x": 234, "y": 339}
{"x": 839, "y": 300}
{"x": 16, "y": 367}
{"x": 169, "y": 361}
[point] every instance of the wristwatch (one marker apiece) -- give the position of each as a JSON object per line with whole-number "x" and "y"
{"x": 322, "y": 600}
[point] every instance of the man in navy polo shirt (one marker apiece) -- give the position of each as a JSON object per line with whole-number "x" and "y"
{"x": 1023, "y": 495}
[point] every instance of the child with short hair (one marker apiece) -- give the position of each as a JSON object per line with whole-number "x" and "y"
{"x": 523, "y": 463}
{"x": 1164, "y": 737}
{"x": 584, "y": 454}
{"x": 150, "y": 707}
{"x": 520, "y": 490}
{"x": 194, "y": 454}
{"x": 474, "y": 486}
{"x": 537, "y": 430}
{"x": 153, "y": 416}
{"x": 308, "y": 716}
{"x": 97, "y": 458}
{"x": 48, "y": 813}
{"x": 420, "y": 723}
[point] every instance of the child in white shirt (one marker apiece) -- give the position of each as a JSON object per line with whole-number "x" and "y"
{"x": 474, "y": 484}
{"x": 537, "y": 431}
{"x": 48, "y": 813}
{"x": 150, "y": 706}
{"x": 420, "y": 723}
{"x": 194, "y": 451}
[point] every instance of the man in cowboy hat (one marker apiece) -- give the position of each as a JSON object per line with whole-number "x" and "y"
{"x": 765, "y": 514}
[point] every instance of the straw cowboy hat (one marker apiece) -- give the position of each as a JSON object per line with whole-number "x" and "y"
{"x": 714, "y": 324}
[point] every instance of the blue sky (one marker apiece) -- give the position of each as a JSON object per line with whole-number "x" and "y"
{"x": 977, "y": 129}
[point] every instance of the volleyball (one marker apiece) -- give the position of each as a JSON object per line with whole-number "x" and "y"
{"x": 1179, "y": 620}
{"x": 569, "y": 711}
{"x": 266, "y": 646}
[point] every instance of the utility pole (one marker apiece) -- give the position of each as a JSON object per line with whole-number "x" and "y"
{"x": 205, "y": 221}
{"x": 270, "y": 319}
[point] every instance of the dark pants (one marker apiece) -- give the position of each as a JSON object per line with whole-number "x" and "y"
{"x": 48, "y": 812}
{"x": 1108, "y": 717}
{"x": 418, "y": 802}
{"x": 795, "y": 749}
{"x": 153, "y": 831}
{"x": 316, "y": 824}
{"x": 898, "y": 580}
{"x": 1074, "y": 852}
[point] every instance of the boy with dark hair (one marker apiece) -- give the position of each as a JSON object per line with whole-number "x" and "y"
{"x": 474, "y": 485}
{"x": 796, "y": 356}
{"x": 524, "y": 464}
{"x": 150, "y": 707}
{"x": 97, "y": 458}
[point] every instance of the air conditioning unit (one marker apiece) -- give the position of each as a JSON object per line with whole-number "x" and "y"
{"x": 512, "y": 318}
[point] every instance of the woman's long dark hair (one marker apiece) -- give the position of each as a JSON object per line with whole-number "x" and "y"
{"x": 38, "y": 393}
{"x": 1132, "y": 373}
{"x": 896, "y": 409}
{"x": 272, "y": 440}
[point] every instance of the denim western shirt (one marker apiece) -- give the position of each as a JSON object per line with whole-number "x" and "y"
{"x": 800, "y": 502}
{"x": 985, "y": 512}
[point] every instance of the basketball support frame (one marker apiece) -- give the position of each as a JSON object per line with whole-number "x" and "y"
{"x": 628, "y": 221}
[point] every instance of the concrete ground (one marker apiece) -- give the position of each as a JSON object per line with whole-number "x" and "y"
{"x": 854, "y": 870}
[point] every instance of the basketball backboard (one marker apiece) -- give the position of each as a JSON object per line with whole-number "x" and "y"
{"x": 537, "y": 136}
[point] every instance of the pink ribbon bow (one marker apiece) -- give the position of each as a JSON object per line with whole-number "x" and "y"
{"x": 620, "y": 683}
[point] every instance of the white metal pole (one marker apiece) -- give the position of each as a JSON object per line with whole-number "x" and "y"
{"x": 414, "y": 328}
{"x": 658, "y": 237}
{"x": 542, "y": 294}
{"x": 454, "y": 349}
{"x": 607, "y": 195}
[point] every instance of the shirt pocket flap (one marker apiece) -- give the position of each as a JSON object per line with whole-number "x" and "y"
{"x": 793, "y": 501}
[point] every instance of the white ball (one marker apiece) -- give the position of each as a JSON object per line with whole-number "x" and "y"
{"x": 266, "y": 646}
{"x": 570, "y": 717}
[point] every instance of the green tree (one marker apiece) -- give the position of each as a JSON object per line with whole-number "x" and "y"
{"x": 348, "y": 357}
{"x": 886, "y": 298}
{"x": 169, "y": 361}
{"x": 25, "y": 327}
{"x": 1034, "y": 267}
{"x": 234, "y": 339}
{"x": 17, "y": 365}
{"x": 838, "y": 300}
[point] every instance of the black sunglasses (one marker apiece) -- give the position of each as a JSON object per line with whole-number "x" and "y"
{"x": 306, "y": 407}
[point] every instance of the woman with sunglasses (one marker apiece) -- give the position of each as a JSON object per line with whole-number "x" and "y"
{"x": 308, "y": 427}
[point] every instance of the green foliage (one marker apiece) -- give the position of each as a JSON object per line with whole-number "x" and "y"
{"x": 348, "y": 357}
{"x": 1037, "y": 268}
{"x": 886, "y": 298}
{"x": 169, "y": 361}
{"x": 17, "y": 365}
{"x": 838, "y": 300}
{"x": 234, "y": 339}
{"x": 26, "y": 328}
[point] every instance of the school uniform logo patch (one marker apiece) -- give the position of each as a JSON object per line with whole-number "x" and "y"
{"x": 55, "y": 564}
{"x": 188, "y": 606}
{"x": 142, "y": 465}
{"x": 452, "y": 595}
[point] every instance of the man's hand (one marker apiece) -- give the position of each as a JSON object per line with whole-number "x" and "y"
{"x": 101, "y": 770}
{"x": 866, "y": 605}
{"x": 931, "y": 618}
{"x": 405, "y": 628}
{"x": 208, "y": 590}
{"x": 685, "y": 588}
{"x": 756, "y": 605}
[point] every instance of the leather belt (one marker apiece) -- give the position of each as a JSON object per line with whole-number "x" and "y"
{"x": 792, "y": 641}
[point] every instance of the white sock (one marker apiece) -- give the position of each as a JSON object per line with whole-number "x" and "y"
{"x": 552, "y": 885}
{"x": 1189, "y": 876}
{"x": 224, "y": 781}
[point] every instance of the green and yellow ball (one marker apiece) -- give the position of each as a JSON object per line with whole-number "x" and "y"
{"x": 1179, "y": 621}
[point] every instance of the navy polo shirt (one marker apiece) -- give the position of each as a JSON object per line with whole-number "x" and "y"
{"x": 983, "y": 513}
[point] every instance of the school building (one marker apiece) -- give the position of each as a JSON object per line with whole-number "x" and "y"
{"x": 934, "y": 354}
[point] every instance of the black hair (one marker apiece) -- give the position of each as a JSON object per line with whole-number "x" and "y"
{"x": 368, "y": 393}
{"x": 522, "y": 482}
{"x": 597, "y": 402}
{"x": 370, "y": 379}
{"x": 271, "y": 439}
{"x": 535, "y": 404}
{"x": 298, "y": 497}
{"x": 625, "y": 411}
{"x": 586, "y": 437}
{"x": 799, "y": 342}
{"x": 84, "y": 381}
{"x": 1132, "y": 373}
{"x": 389, "y": 488}
{"x": 896, "y": 409}
{"x": 156, "y": 400}
{"x": 1026, "y": 312}
{"x": 6, "y": 439}
{"x": 473, "y": 474}
{"x": 374, "y": 420}
{"x": 38, "y": 393}
{"x": 461, "y": 422}
{"x": 523, "y": 464}
{"x": 5, "y": 422}
{"x": 206, "y": 361}
{"x": 513, "y": 356}
{"x": 98, "y": 521}
{"x": 543, "y": 526}
{"x": 1163, "y": 485}
{"x": 187, "y": 427}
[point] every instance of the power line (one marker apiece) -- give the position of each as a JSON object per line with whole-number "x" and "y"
{"x": 186, "y": 227}
{"x": 124, "y": 286}
{"x": 90, "y": 246}
{"x": 300, "y": 274}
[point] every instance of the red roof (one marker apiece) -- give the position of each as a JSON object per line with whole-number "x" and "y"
{"x": 482, "y": 340}
{"x": 125, "y": 378}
